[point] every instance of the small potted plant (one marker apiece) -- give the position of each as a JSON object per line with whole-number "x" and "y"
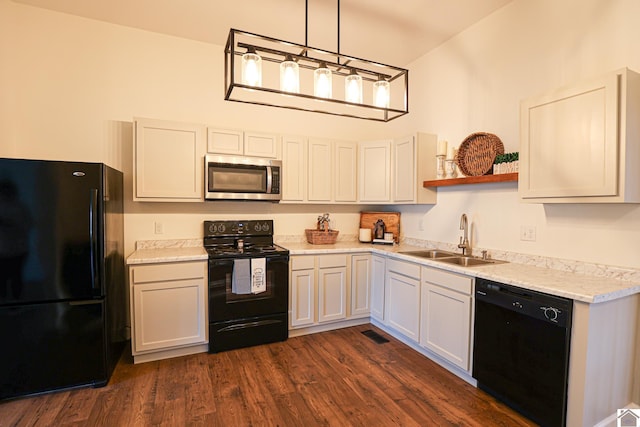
{"x": 506, "y": 163}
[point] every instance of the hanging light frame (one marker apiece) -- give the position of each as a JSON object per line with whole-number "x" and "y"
{"x": 273, "y": 52}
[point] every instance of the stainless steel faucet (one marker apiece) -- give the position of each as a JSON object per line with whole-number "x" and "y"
{"x": 464, "y": 239}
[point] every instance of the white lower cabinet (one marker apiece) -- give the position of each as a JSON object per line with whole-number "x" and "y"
{"x": 332, "y": 288}
{"x": 327, "y": 289}
{"x": 378, "y": 268}
{"x": 446, "y": 308}
{"x": 360, "y": 289}
{"x": 168, "y": 309}
{"x": 402, "y": 297}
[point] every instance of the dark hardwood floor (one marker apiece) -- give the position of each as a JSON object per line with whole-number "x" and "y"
{"x": 337, "y": 378}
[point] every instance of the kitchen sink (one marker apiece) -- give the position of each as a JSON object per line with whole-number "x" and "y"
{"x": 432, "y": 254}
{"x": 451, "y": 258}
{"x": 466, "y": 261}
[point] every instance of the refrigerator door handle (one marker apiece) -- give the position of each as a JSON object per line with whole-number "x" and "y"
{"x": 86, "y": 302}
{"x": 93, "y": 236}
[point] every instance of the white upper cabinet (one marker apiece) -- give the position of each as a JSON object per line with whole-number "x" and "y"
{"x": 345, "y": 167}
{"x": 374, "y": 171}
{"x": 581, "y": 144}
{"x": 320, "y": 183}
{"x": 393, "y": 171}
{"x": 294, "y": 169}
{"x": 225, "y": 141}
{"x": 413, "y": 162}
{"x": 242, "y": 143}
{"x": 161, "y": 147}
{"x": 404, "y": 177}
{"x": 318, "y": 170}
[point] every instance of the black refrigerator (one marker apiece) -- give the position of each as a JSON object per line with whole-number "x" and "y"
{"x": 62, "y": 275}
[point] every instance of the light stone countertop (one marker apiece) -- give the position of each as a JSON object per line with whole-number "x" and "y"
{"x": 577, "y": 286}
{"x": 174, "y": 254}
{"x": 568, "y": 284}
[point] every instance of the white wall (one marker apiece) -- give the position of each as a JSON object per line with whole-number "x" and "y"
{"x": 69, "y": 88}
{"x": 475, "y": 82}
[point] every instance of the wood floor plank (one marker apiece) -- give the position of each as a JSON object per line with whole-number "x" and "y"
{"x": 336, "y": 378}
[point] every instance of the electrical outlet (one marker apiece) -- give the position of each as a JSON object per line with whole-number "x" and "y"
{"x": 528, "y": 233}
{"x": 158, "y": 227}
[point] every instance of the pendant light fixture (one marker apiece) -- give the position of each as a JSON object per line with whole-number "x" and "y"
{"x": 353, "y": 87}
{"x": 251, "y": 68}
{"x": 282, "y": 74}
{"x": 381, "y": 93}
{"x": 289, "y": 75}
{"x": 322, "y": 81}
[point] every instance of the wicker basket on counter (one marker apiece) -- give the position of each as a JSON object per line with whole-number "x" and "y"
{"x": 321, "y": 237}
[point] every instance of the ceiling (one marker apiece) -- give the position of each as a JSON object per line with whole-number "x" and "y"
{"x": 394, "y": 32}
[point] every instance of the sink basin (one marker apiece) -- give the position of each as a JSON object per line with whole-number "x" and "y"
{"x": 432, "y": 254}
{"x": 466, "y": 261}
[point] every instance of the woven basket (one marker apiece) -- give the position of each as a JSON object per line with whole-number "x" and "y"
{"x": 477, "y": 153}
{"x": 317, "y": 237}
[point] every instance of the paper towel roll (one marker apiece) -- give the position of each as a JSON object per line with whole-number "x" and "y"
{"x": 365, "y": 234}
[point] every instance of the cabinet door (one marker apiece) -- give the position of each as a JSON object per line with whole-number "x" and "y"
{"x": 294, "y": 169}
{"x": 225, "y": 141}
{"x": 377, "y": 287}
{"x": 332, "y": 294}
{"x": 260, "y": 145}
{"x": 320, "y": 171}
{"x": 169, "y": 314}
{"x": 402, "y": 304}
{"x": 569, "y": 142}
{"x": 446, "y": 324}
{"x": 303, "y": 298}
{"x": 360, "y": 285}
{"x": 168, "y": 161}
{"x": 345, "y": 171}
{"x": 374, "y": 183}
{"x": 404, "y": 172}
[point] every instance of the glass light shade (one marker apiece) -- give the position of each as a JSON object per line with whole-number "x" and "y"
{"x": 289, "y": 75}
{"x": 353, "y": 88}
{"x": 381, "y": 94}
{"x": 322, "y": 81}
{"x": 252, "y": 69}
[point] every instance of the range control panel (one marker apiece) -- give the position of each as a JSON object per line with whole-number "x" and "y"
{"x": 262, "y": 227}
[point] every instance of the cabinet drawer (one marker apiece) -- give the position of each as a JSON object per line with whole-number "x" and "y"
{"x": 166, "y": 272}
{"x": 455, "y": 282}
{"x": 405, "y": 268}
{"x": 302, "y": 262}
{"x": 329, "y": 261}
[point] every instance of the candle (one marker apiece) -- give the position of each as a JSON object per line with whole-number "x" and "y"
{"x": 365, "y": 234}
{"x": 442, "y": 148}
{"x": 451, "y": 153}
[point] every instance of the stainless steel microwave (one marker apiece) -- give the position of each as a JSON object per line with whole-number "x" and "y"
{"x": 242, "y": 178}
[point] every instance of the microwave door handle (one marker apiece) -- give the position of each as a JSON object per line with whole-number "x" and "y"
{"x": 269, "y": 179}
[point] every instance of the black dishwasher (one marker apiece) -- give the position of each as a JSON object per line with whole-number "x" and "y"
{"x": 521, "y": 349}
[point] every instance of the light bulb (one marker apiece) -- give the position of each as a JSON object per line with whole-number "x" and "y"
{"x": 252, "y": 69}
{"x": 381, "y": 93}
{"x": 353, "y": 87}
{"x": 289, "y": 75}
{"x": 322, "y": 81}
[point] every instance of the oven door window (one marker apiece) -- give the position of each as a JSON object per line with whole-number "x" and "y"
{"x": 237, "y": 178}
{"x": 224, "y": 303}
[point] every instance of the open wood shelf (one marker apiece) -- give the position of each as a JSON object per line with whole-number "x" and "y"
{"x": 504, "y": 177}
